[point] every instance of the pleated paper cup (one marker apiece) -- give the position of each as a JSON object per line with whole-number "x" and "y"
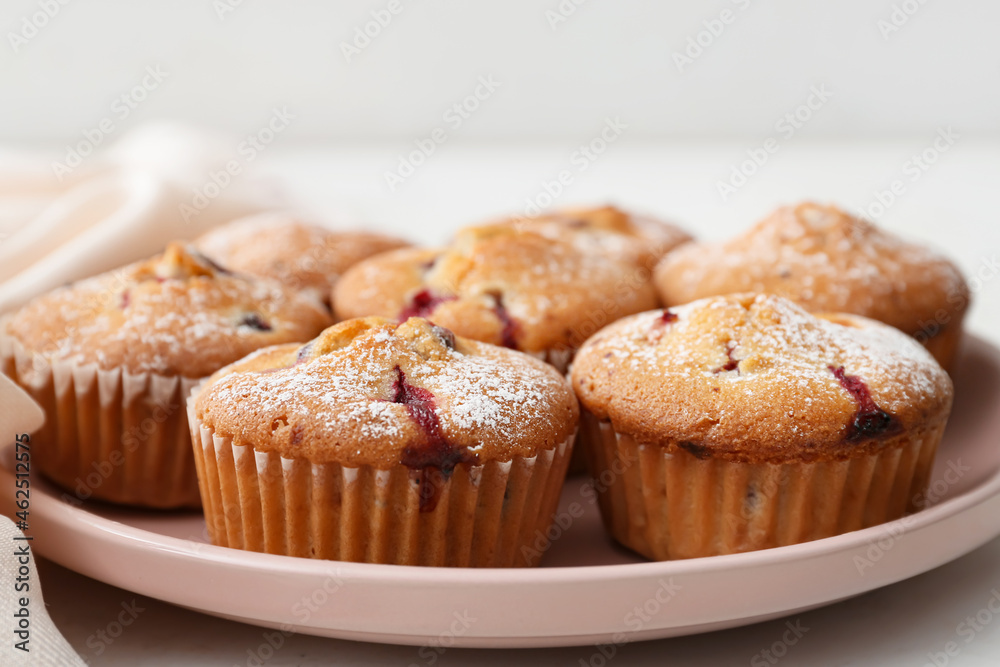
{"x": 488, "y": 515}
{"x": 669, "y": 505}
{"x": 109, "y": 434}
{"x": 944, "y": 345}
{"x": 561, "y": 359}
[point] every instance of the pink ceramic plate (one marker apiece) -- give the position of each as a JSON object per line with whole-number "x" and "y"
{"x": 589, "y": 590}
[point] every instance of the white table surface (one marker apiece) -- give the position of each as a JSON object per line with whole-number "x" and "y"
{"x": 951, "y": 205}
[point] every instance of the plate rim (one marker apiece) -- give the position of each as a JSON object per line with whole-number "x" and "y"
{"x": 79, "y": 521}
{"x": 66, "y": 513}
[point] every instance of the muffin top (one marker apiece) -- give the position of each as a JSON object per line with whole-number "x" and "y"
{"x": 301, "y": 255}
{"x": 374, "y": 392}
{"x": 825, "y": 260}
{"x": 755, "y": 378}
{"x": 175, "y": 314}
{"x": 636, "y": 238}
{"x": 500, "y": 284}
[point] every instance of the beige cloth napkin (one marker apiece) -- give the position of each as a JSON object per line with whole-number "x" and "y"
{"x": 46, "y": 646}
{"x": 122, "y": 205}
{"x": 20, "y": 414}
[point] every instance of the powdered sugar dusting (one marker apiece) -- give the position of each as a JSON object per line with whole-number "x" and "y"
{"x": 484, "y": 394}
{"x": 773, "y": 341}
{"x": 481, "y": 394}
{"x": 608, "y": 230}
{"x": 169, "y": 315}
{"x": 300, "y": 254}
{"x": 820, "y": 257}
{"x": 549, "y": 284}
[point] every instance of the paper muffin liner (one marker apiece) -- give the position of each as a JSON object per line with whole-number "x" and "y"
{"x": 675, "y": 505}
{"x": 944, "y": 345}
{"x": 109, "y": 434}
{"x": 577, "y": 462}
{"x": 488, "y": 515}
{"x": 559, "y": 358}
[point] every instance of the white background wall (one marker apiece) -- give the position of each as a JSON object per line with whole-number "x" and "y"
{"x": 227, "y": 69}
{"x": 689, "y": 129}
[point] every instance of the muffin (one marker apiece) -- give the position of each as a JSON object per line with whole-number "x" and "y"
{"x": 639, "y": 239}
{"x": 829, "y": 261}
{"x": 301, "y": 255}
{"x": 112, "y": 359}
{"x": 743, "y": 422}
{"x": 381, "y": 442}
{"x": 504, "y": 285}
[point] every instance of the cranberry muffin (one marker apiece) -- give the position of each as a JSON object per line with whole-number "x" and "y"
{"x": 638, "y": 239}
{"x": 383, "y": 442}
{"x": 301, "y": 255}
{"x": 829, "y": 261}
{"x": 504, "y": 285}
{"x": 112, "y": 359}
{"x": 743, "y": 422}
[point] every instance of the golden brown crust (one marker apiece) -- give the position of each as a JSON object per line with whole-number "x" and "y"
{"x": 298, "y": 254}
{"x": 825, "y": 260}
{"x": 502, "y": 285}
{"x": 373, "y": 392}
{"x": 637, "y": 239}
{"x": 380, "y": 285}
{"x": 754, "y": 378}
{"x": 174, "y": 314}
